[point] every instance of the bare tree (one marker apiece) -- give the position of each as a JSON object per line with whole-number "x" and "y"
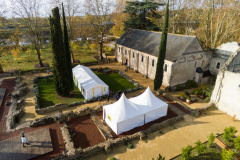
{"x": 29, "y": 12}
{"x": 99, "y": 15}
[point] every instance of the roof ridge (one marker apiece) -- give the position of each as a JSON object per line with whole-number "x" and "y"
{"x": 167, "y": 33}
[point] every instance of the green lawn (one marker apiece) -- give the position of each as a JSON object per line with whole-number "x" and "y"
{"x": 27, "y": 61}
{"x": 49, "y": 97}
{"x": 115, "y": 81}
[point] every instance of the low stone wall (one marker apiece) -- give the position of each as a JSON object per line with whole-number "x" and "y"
{"x": 69, "y": 145}
{"x": 108, "y": 144}
{"x": 193, "y": 112}
{"x": 15, "y": 112}
{"x": 42, "y": 110}
{"x": 102, "y": 129}
{"x": 50, "y": 108}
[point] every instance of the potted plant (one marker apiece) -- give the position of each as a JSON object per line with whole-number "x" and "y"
{"x": 196, "y": 91}
{"x": 188, "y": 100}
{"x": 181, "y": 95}
{"x": 202, "y": 93}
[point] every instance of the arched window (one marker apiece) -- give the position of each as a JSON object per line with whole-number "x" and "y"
{"x": 195, "y": 64}
{"x": 142, "y": 58}
{"x": 133, "y": 54}
{"x": 119, "y": 49}
{"x": 153, "y": 62}
{"x": 218, "y": 65}
{"x": 202, "y": 63}
{"x": 165, "y": 68}
{"x": 125, "y": 51}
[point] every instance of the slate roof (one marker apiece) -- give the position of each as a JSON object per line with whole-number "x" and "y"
{"x": 148, "y": 42}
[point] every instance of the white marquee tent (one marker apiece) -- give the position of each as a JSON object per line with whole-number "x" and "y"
{"x": 123, "y": 115}
{"x": 89, "y": 83}
{"x": 152, "y": 106}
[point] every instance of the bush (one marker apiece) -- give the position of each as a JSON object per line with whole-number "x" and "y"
{"x": 186, "y": 153}
{"x": 182, "y": 94}
{"x": 200, "y": 148}
{"x": 112, "y": 158}
{"x": 129, "y": 145}
{"x": 178, "y": 88}
{"x": 237, "y": 143}
{"x": 227, "y": 155}
{"x": 194, "y": 84}
{"x": 112, "y": 38}
{"x": 187, "y": 93}
{"x": 229, "y": 132}
{"x": 211, "y": 139}
{"x": 159, "y": 157}
{"x": 196, "y": 91}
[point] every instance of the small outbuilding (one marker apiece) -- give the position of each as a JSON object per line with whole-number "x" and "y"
{"x": 88, "y": 82}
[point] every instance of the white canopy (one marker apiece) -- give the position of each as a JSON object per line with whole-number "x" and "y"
{"x": 152, "y": 106}
{"x": 123, "y": 115}
{"x": 89, "y": 83}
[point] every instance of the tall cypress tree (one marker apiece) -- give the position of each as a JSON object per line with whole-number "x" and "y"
{"x": 60, "y": 68}
{"x": 162, "y": 52}
{"x": 67, "y": 50}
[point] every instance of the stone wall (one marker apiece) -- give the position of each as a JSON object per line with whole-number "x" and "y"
{"x": 15, "y": 112}
{"x": 42, "y": 110}
{"x": 110, "y": 143}
{"x": 194, "y": 112}
{"x": 184, "y": 68}
{"x": 226, "y": 93}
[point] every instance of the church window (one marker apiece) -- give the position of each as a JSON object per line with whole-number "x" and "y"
{"x": 142, "y": 58}
{"x": 125, "y": 51}
{"x": 153, "y": 62}
{"x": 196, "y": 64}
{"x": 119, "y": 49}
{"x": 133, "y": 54}
{"x": 218, "y": 65}
{"x": 165, "y": 68}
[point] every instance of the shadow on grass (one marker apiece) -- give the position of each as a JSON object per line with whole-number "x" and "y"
{"x": 115, "y": 81}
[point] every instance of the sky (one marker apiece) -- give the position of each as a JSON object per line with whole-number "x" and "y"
{"x": 45, "y": 11}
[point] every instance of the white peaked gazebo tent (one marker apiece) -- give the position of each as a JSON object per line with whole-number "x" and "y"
{"x": 89, "y": 83}
{"x": 152, "y": 106}
{"x": 123, "y": 115}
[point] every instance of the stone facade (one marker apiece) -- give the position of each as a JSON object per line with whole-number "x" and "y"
{"x": 175, "y": 73}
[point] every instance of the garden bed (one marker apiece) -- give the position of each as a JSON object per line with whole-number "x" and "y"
{"x": 229, "y": 144}
{"x": 175, "y": 104}
{"x": 211, "y": 153}
{"x": 86, "y": 132}
{"x": 170, "y": 114}
{"x": 184, "y": 100}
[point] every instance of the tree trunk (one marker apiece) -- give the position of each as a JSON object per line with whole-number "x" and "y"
{"x": 1, "y": 69}
{"x": 39, "y": 57}
{"x": 101, "y": 46}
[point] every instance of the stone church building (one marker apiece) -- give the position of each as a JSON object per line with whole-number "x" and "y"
{"x": 185, "y": 59}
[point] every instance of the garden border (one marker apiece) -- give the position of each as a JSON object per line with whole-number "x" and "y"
{"x": 193, "y": 112}
{"x": 60, "y": 106}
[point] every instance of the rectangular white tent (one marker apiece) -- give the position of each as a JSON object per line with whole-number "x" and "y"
{"x": 123, "y": 115}
{"x": 89, "y": 83}
{"x": 152, "y": 106}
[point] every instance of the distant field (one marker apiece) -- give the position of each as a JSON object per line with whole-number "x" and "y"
{"x": 27, "y": 61}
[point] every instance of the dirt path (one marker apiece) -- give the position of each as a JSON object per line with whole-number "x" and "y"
{"x": 169, "y": 143}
